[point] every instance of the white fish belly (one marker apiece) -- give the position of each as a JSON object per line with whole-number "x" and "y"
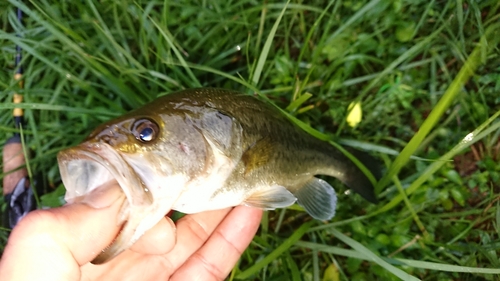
{"x": 200, "y": 197}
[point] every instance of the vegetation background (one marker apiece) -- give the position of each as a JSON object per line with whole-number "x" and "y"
{"x": 426, "y": 75}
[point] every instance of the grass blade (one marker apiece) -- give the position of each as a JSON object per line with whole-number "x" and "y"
{"x": 468, "y": 140}
{"x": 169, "y": 38}
{"x": 276, "y": 253}
{"x": 372, "y": 257}
{"x": 397, "y": 261}
{"x": 359, "y": 14}
{"x": 267, "y": 47}
{"x": 474, "y": 60}
{"x": 55, "y": 107}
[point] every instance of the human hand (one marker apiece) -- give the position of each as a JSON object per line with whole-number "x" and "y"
{"x": 58, "y": 244}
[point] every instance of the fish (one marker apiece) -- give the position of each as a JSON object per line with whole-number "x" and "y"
{"x": 206, "y": 149}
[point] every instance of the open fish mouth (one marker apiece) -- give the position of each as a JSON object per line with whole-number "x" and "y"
{"x": 87, "y": 167}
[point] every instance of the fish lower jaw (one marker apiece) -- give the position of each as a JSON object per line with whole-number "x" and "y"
{"x": 135, "y": 224}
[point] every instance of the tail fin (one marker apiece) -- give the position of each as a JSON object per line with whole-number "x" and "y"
{"x": 348, "y": 173}
{"x": 361, "y": 184}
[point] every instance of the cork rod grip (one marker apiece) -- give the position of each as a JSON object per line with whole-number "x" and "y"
{"x": 13, "y": 162}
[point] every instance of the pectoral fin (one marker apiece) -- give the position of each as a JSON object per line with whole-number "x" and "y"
{"x": 318, "y": 198}
{"x": 271, "y": 198}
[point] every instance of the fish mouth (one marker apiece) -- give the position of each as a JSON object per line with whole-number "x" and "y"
{"x": 87, "y": 167}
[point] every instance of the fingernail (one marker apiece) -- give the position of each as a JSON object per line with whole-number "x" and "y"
{"x": 172, "y": 225}
{"x": 103, "y": 196}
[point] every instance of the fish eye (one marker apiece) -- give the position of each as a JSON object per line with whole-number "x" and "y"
{"x": 146, "y": 134}
{"x": 145, "y": 130}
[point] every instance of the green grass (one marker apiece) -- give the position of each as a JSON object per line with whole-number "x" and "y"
{"x": 427, "y": 75}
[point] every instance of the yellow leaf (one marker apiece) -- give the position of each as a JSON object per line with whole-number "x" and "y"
{"x": 331, "y": 273}
{"x": 355, "y": 114}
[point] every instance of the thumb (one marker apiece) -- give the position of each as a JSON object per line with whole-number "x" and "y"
{"x": 54, "y": 243}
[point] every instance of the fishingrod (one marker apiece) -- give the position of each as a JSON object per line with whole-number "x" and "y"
{"x": 17, "y": 190}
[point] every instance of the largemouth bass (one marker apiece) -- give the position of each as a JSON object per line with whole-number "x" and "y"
{"x": 206, "y": 149}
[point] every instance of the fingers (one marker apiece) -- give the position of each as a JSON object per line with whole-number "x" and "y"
{"x": 208, "y": 244}
{"x": 220, "y": 253}
{"x": 66, "y": 237}
{"x": 71, "y": 236}
{"x": 158, "y": 240}
{"x": 192, "y": 232}
{"x": 142, "y": 261}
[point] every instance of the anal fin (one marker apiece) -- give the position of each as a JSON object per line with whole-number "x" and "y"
{"x": 318, "y": 198}
{"x": 275, "y": 196}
